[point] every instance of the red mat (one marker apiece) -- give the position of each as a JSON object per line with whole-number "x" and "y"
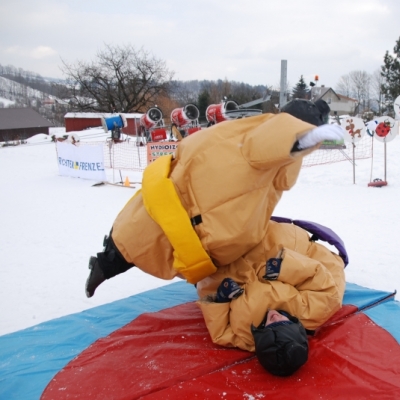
{"x": 169, "y": 355}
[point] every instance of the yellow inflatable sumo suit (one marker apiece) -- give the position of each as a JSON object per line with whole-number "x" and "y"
{"x": 212, "y": 202}
{"x": 310, "y": 286}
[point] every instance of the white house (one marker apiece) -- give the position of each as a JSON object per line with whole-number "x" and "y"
{"x": 338, "y": 103}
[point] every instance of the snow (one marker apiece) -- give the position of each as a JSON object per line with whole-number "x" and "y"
{"x": 51, "y": 224}
{"x": 96, "y": 115}
{"x": 6, "y": 102}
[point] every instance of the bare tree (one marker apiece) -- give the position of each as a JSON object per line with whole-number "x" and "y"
{"x": 120, "y": 79}
{"x": 377, "y": 80}
{"x": 360, "y": 84}
{"x": 356, "y": 84}
{"x": 244, "y": 93}
{"x": 344, "y": 85}
{"x": 185, "y": 92}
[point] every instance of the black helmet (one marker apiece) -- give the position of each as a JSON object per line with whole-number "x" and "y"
{"x": 308, "y": 111}
{"x": 324, "y": 108}
{"x": 281, "y": 347}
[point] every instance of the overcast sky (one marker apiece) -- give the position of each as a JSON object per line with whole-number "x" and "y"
{"x": 240, "y": 40}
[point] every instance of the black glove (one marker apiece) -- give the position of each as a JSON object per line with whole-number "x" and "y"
{"x": 228, "y": 290}
{"x": 272, "y": 269}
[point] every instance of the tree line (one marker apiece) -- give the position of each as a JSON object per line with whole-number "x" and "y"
{"x": 129, "y": 80}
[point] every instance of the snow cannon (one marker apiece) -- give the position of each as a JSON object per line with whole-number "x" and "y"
{"x": 185, "y": 115}
{"x": 216, "y": 113}
{"x": 153, "y": 117}
{"x": 114, "y": 122}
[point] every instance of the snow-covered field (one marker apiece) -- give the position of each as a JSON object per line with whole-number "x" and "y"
{"x": 6, "y": 102}
{"x": 51, "y": 224}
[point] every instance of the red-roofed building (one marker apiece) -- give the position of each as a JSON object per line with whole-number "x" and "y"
{"x": 78, "y": 121}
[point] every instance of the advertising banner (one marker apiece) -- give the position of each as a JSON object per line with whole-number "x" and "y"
{"x": 155, "y": 150}
{"x": 86, "y": 162}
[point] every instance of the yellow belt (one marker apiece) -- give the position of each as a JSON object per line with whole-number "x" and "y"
{"x": 164, "y": 206}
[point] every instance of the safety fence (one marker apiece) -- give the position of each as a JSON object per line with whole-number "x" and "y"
{"x": 130, "y": 155}
{"x": 125, "y": 156}
{"x": 327, "y": 154}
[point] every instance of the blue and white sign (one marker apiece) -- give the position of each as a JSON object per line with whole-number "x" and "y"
{"x": 82, "y": 161}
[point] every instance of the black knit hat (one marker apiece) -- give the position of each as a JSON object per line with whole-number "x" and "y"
{"x": 324, "y": 108}
{"x": 281, "y": 348}
{"x": 307, "y": 111}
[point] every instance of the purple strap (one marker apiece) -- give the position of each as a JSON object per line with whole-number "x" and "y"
{"x": 319, "y": 232}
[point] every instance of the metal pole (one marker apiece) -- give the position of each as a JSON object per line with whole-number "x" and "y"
{"x": 385, "y": 158}
{"x": 113, "y": 158}
{"x": 282, "y": 96}
{"x": 354, "y": 164}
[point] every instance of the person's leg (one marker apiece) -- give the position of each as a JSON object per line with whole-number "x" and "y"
{"x": 107, "y": 264}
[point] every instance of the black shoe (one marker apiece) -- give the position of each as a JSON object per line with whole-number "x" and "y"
{"x": 96, "y": 277}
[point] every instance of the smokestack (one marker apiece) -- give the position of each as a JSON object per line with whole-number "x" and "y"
{"x": 282, "y": 97}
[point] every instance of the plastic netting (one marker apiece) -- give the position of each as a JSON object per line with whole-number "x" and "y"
{"x": 332, "y": 154}
{"x": 126, "y": 155}
{"x": 133, "y": 156}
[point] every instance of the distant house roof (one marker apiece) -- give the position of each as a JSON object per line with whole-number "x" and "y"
{"x": 98, "y": 115}
{"x": 317, "y": 92}
{"x": 347, "y": 98}
{"x": 20, "y": 118}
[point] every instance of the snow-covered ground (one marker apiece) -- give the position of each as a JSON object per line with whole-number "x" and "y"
{"x": 51, "y": 224}
{"x": 6, "y": 102}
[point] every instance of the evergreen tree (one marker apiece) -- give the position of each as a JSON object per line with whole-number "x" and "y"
{"x": 391, "y": 73}
{"x": 301, "y": 90}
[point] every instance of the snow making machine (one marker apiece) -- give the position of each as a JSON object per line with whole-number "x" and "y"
{"x": 185, "y": 121}
{"x": 114, "y": 124}
{"x": 152, "y": 127}
{"x": 227, "y": 110}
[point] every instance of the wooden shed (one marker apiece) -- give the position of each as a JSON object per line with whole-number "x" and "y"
{"x": 78, "y": 121}
{"x": 21, "y": 123}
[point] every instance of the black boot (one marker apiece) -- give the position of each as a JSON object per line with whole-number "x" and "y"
{"x": 96, "y": 277}
{"x": 107, "y": 264}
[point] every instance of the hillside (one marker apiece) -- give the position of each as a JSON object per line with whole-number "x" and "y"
{"x": 20, "y": 88}
{"x": 15, "y": 94}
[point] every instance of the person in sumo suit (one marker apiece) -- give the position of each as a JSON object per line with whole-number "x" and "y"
{"x": 211, "y": 203}
{"x": 269, "y": 299}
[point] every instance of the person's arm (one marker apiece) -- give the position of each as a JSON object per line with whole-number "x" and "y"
{"x": 269, "y": 145}
{"x": 217, "y": 319}
{"x": 318, "y": 283}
